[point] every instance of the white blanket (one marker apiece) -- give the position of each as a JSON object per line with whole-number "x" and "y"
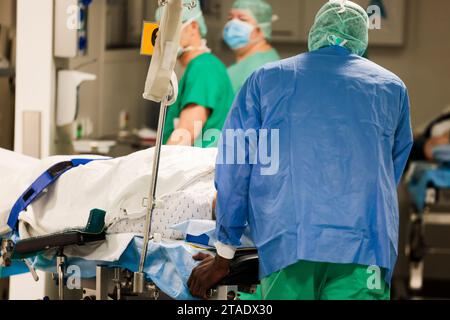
{"x": 116, "y": 186}
{"x": 13, "y": 181}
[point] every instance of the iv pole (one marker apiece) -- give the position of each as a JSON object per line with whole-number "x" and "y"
{"x": 139, "y": 277}
{"x": 168, "y": 99}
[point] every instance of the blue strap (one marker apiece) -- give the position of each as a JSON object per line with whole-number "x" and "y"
{"x": 42, "y": 183}
{"x": 201, "y": 240}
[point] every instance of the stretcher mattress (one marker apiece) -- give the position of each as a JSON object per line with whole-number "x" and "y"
{"x": 168, "y": 264}
{"x": 118, "y": 186}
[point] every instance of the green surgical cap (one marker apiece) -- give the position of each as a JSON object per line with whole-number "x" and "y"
{"x": 338, "y": 21}
{"x": 261, "y": 12}
{"x": 194, "y": 13}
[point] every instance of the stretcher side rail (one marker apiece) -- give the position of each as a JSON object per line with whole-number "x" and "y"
{"x": 244, "y": 269}
{"x": 27, "y": 248}
{"x": 32, "y": 247}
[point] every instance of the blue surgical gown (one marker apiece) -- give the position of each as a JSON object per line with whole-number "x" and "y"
{"x": 344, "y": 140}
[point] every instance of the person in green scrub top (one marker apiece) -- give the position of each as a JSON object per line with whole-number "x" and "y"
{"x": 205, "y": 92}
{"x": 247, "y": 33}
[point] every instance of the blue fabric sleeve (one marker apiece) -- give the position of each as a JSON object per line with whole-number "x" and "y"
{"x": 403, "y": 139}
{"x": 233, "y": 177}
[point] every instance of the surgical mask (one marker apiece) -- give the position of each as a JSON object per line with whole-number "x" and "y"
{"x": 203, "y": 46}
{"x": 237, "y": 33}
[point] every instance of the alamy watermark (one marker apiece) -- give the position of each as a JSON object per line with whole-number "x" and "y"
{"x": 74, "y": 21}
{"x": 374, "y": 280}
{"x": 375, "y": 17}
{"x": 73, "y": 273}
{"x": 258, "y": 148}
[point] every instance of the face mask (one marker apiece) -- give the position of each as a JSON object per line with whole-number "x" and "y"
{"x": 237, "y": 33}
{"x": 203, "y": 47}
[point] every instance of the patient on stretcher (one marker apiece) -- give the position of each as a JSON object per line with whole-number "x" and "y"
{"x": 118, "y": 186}
{"x": 193, "y": 202}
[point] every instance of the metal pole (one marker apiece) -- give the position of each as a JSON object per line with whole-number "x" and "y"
{"x": 101, "y": 283}
{"x": 139, "y": 277}
{"x": 61, "y": 262}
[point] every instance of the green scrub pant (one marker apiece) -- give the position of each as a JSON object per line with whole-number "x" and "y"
{"x": 323, "y": 281}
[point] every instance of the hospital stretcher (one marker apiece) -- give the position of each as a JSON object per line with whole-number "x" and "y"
{"x": 429, "y": 189}
{"x": 114, "y": 280}
{"x": 118, "y": 275}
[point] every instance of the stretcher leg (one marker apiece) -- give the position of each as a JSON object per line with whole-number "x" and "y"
{"x": 101, "y": 283}
{"x": 60, "y": 267}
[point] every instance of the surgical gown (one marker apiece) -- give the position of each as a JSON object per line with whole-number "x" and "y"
{"x": 344, "y": 139}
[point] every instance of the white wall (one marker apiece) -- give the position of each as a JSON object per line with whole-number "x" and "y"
{"x": 35, "y": 74}
{"x": 35, "y": 91}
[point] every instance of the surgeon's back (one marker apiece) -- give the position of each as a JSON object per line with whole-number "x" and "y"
{"x": 344, "y": 138}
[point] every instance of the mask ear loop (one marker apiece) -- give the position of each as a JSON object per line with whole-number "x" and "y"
{"x": 253, "y": 42}
{"x": 203, "y": 46}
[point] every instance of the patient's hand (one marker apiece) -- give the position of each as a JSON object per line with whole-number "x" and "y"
{"x": 208, "y": 274}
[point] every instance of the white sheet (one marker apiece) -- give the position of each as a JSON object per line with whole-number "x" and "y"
{"x": 13, "y": 180}
{"x": 116, "y": 186}
{"x": 110, "y": 250}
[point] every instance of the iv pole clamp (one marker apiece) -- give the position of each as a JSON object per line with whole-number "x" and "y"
{"x": 162, "y": 87}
